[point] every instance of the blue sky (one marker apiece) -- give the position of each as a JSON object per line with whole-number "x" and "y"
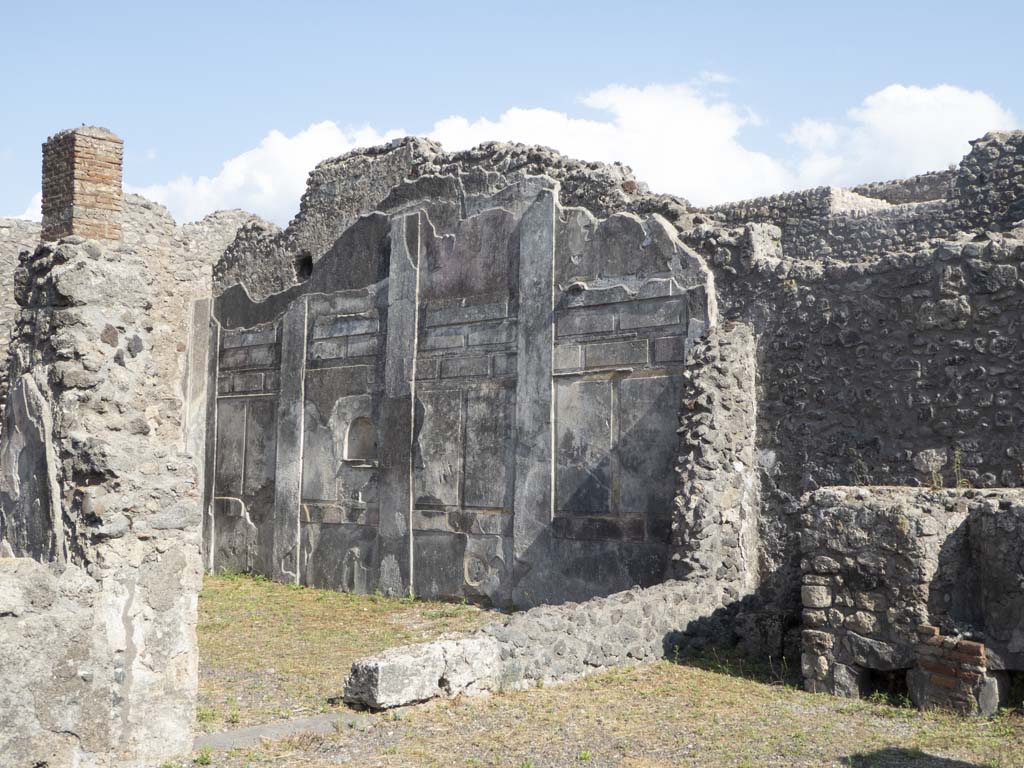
{"x": 226, "y": 104}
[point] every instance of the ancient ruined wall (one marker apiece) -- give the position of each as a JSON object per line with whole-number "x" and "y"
{"x": 16, "y": 236}
{"x": 91, "y": 484}
{"x": 99, "y": 493}
{"x": 267, "y": 260}
{"x": 836, "y": 224}
{"x": 937, "y": 185}
{"x": 888, "y": 368}
{"x": 989, "y": 185}
{"x": 866, "y": 365}
{"x": 879, "y": 564}
{"x": 479, "y": 312}
{"x": 876, "y": 220}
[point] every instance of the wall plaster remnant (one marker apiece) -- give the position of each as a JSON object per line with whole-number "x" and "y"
{"x": 514, "y": 361}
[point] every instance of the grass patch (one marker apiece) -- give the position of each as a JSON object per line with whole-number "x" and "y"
{"x": 709, "y": 709}
{"x": 268, "y": 651}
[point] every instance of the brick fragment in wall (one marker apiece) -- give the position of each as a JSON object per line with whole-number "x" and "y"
{"x": 82, "y": 185}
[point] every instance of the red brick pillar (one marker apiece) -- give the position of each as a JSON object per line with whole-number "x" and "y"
{"x": 82, "y": 184}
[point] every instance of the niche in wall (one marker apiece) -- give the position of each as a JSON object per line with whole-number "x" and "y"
{"x": 361, "y": 441}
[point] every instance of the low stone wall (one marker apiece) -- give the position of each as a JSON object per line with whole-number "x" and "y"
{"x": 881, "y": 563}
{"x": 936, "y": 185}
{"x": 547, "y": 644}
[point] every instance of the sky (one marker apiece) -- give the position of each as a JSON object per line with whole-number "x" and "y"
{"x": 230, "y": 105}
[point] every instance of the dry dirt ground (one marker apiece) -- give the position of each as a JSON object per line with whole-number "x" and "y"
{"x": 270, "y": 651}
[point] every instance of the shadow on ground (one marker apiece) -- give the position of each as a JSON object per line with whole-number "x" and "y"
{"x": 893, "y": 757}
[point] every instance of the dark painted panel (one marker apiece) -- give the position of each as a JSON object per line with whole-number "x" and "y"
{"x": 490, "y": 412}
{"x": 583, "y": 437}
{"x": 230, "y": 446}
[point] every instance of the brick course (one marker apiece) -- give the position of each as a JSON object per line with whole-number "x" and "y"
{"x": 82, "y": 184}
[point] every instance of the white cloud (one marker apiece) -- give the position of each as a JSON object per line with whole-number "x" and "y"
{"x": 34, "y": 211}
{"x": 895, "y": 132}
{"x": 268, "y": 180}
{"x": 683, "y": 139}
{"x": 675, "y": 137}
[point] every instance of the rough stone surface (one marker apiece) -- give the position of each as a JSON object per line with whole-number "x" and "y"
{"x": 715, "y": 532}
{"x": 882, "y": 356}
{"x": 99, "y": 500}
{"x": 91, "y": 482}
{"x": 16, "y": 237}
{"x": 880, "y": 563}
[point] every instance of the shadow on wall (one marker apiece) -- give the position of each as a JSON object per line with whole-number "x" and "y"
{"x": 894, "y": 757}
{"x": 976, "y": 591}
{"x": 751, "y": 627}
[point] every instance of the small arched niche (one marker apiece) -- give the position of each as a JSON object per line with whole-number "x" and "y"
{"x": 361, "y": 441}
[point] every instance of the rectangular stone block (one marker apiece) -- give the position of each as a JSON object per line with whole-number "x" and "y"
{"x": 670, "y": 349}
{"x": 328, "y": 349}
{"x": 446, "y": 337}
{"x": 472, "y": 313}
{"x": 591, "y": 297}
{"x": 457, "y": 367}
{"x": 647, "y": 314}
{"x": 568, "y": 357}
{"x": 597, "y": 528}
{"x": 585, "y": 320}
{"x": 428, "y": 368}
{"x": 437, "y": 477}
{"x": 231, "y": 414}
{"x": 247, "y": 382}
{"x": 344, "y": 325}
{"x": 362, "y": 346}
{"x": 616, "y": 353}
{"x": 249, "y": 338}
{"x": 487, "y": 523}
{"x": 503, "y": 364}
{"x": 260, "y": 445}
{"x": 431, "y": 520}
{"x": 583, "y": 440}
{"x": 354, "y": 302}
{"x": 341, "y": 380}
{"x": 494, "y": 333}
{"x": 249, "y": 357}
{"x": 816, "y": 596}
{"x": 489, "y": 442}
{"x": 647, "y": 444}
